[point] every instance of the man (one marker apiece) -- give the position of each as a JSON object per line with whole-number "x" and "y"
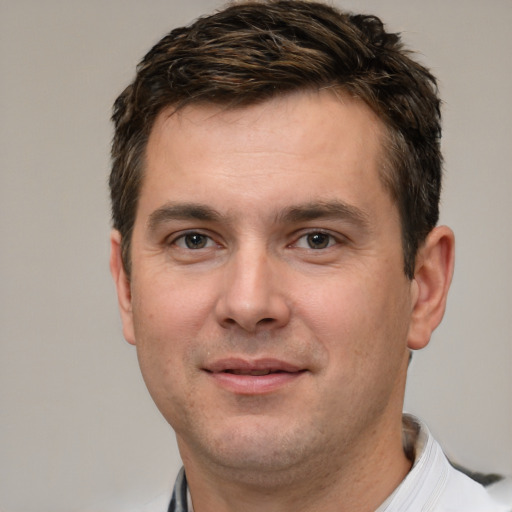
{"x": 275, "y": 189}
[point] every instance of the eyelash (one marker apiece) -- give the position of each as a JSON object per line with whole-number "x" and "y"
{"x": 181, "y": 240}
{"x": 331, "y": 240}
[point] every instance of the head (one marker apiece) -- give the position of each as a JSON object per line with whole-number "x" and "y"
{"x": 275, "y": 189}
{"x": 252, "y": 52}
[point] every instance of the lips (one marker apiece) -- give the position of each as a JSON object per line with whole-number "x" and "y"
{"x": 254, "y": 373}
{"x": 253, "y": 377}
{"x": 257, "y": 367}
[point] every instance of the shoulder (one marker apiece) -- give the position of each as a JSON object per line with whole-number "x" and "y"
{"x": 463, "y": 494}
{"x": 434, "y": 485}
{"x": 501, "y": 492}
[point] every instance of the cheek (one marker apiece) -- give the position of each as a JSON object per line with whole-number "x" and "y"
{"x": 168, "y": 319}
{"x": 360, "y": 321}
{"x": 169, "y": 308}
{"x": 362, "y": 329}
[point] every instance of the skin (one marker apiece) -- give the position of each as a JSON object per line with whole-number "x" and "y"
{"x": 265, "y": 237}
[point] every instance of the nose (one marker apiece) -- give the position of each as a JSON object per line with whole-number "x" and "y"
{"x": 252, "y": 295}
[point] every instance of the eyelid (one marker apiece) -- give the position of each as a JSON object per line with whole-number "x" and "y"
{"x": 336, "y": 238}
{"x": 173, "y": 239}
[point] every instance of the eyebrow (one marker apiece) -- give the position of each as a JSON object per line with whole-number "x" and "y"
{"x": 294, "y": 214}
{"x": 182, "y": 211}
{"x": 335, "y": 209}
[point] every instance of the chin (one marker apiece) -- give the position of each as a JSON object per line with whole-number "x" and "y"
{"x": 257, "y": 454}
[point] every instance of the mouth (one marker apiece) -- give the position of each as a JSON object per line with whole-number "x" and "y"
{"x": 256, "y": 377}
{"x": 254, "y": 373}
{"x": 259, "y": 367}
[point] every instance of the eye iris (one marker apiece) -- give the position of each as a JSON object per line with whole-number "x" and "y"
{"x": 318, "y": 240}
{"x": 195, "y": 241}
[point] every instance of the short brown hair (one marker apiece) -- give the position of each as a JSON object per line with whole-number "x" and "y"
{"x": 253, "y": 51}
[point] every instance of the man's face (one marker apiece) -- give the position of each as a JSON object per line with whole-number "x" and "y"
{"x": 268, "y": 301}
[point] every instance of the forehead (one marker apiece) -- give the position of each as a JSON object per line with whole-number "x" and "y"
{"x": 333, "y": 109}
{"x": 313, "y": 138}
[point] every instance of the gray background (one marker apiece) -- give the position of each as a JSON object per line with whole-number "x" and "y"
{"x": 77, "y": 427}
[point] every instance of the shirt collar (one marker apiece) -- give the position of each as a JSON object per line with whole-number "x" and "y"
{"x": 428, "y": 475}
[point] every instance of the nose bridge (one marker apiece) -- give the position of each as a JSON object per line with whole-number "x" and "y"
{"x": 252, "y": 297}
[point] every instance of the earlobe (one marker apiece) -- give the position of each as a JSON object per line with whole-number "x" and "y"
{"x": 432, "y": 278}
{"x": 122, "y": 284}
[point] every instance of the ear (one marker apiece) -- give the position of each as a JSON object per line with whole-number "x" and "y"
{"x": 122, "y": 282}
{"x": 432, "y": 278}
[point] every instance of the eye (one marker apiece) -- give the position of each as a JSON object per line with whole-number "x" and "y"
{"x": 193, "y": 241}
{"x": 315, "y": 240}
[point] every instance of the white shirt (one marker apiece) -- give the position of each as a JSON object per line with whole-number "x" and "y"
{"x": 433, "y": 485}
